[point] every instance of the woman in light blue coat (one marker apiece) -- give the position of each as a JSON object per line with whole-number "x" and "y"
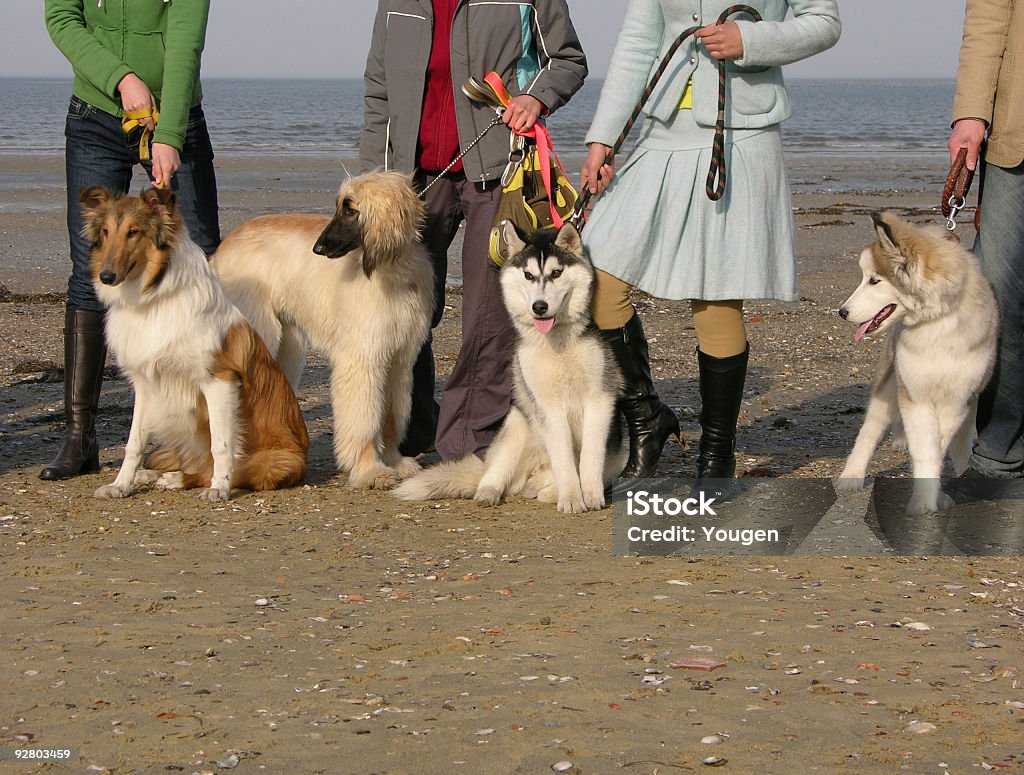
{"x": 655, "y": 227}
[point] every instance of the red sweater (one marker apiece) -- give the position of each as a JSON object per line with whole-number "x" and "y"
{"x": 439, "y": 132}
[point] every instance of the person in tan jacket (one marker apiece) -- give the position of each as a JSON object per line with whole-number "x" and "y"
{"x": 989, "y": 103}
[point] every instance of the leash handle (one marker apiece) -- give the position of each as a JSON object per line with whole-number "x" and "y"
{"x": 132, "y": 120}
{"x": 954, "y": 193}
{"x": 717, "y": 173}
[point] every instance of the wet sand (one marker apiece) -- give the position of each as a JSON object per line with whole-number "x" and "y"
{"x": 325, "y": 630}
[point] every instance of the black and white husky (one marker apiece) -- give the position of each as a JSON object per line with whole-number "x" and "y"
{"x": 554, "y": 443}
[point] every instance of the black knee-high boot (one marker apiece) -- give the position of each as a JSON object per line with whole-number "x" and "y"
{"x": 649, "y": 421}
{"x": 85, "y": 353}
{"x": 721, "y": 393}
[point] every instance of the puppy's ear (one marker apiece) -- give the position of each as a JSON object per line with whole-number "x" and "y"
{"x": 569, "y": 240}
{"x": 883, "y": 229}
{"x": 513, "y": 240}
{"x": 162, "y": 202}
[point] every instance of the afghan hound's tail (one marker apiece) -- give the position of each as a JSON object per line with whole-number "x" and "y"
{"x": 456, "y": 479}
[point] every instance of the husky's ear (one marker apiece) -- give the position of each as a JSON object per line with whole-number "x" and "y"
{"x": 162, "y": 202}
{"x": 885, "y": 234}
{"x": 569, "y": 240}
{"x": 512, "y": 237}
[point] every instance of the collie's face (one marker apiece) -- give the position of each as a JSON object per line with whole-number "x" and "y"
{"x": 132, "y": 238}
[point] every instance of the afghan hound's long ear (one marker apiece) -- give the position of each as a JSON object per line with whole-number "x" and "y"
{"x": 94, "y": 200}
{"x": 163, "y": 204}
{"x": 390, "y": 217}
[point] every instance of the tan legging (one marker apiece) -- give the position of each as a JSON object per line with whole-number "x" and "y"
{"x": 719, "y": 324}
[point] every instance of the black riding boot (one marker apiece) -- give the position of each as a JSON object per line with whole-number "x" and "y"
{"x": 649, "y": 421}
{"x": 721, "y": 393}
{"x": 85, "y": 353}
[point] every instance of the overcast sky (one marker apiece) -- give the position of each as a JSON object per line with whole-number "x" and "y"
{"x": 328, "y": 39}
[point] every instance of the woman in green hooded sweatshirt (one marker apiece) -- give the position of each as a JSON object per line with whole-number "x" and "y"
{"x": 136, "y": 57}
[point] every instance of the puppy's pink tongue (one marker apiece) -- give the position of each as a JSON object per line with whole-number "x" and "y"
{"x": 862, "y": 330}
{"x": 544, "y": 325}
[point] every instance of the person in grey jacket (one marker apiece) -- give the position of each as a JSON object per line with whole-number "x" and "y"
{"x": 656, "y": 228}
{"x": 416, "y": 119}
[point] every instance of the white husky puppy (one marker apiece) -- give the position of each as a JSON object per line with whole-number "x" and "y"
{"x": 553, "y": 445}
{"x": 929, "y": 292}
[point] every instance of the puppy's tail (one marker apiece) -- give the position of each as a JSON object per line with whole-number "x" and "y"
{"x": 457, "y": 479}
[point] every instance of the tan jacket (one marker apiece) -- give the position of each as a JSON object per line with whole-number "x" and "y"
{"x": 990, "y": 80}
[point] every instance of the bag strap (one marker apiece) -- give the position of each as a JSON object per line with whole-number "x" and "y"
{"x": 541, "y": 137}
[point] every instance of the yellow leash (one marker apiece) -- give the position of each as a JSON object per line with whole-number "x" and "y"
{"x": 132, "y": 120}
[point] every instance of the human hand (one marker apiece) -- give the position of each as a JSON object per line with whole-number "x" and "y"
{"x": 723, "y": 41}
{"x": 166, "y": 161}
{"x": 522, "y": 112}
{"x": 595, "y": 173}
{"x": 967, "y": 133}
{"x": 135, "y": 95}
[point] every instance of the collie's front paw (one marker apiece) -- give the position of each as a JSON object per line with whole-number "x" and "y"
{"x": 112, "y": 491}
{"x": 215, "y": 494}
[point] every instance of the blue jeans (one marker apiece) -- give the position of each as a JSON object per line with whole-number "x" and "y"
{"x": 1000, "y": 249}
{"x": 99, "y": 153}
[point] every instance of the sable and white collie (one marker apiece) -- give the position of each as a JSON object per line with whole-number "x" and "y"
{"x": 205, "y": 385}
{"x": 358, "y": 287}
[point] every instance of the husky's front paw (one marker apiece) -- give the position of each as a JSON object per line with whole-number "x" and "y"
{"x": 112, "y": 491}
{"x": 571, "y": 504}
{"x": 848, "y": 483}
{"x": 593, "y": 499}
{"x": 215, "y": 494}
{"x": 488, "y": 496}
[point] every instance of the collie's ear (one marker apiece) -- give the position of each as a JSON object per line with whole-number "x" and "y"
{"x": 883, "y": 228}
{"x": 162, "y": 202}
{"x": 92, "y": 198}
{"x": 569, "y": 240}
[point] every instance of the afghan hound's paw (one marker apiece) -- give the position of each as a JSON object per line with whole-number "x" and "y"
{"x": 172, "y": 480}
{"x": 378, "y": 477}
{"x": 111, "y": 491}
{"x": 488, "y": 496}
{"x": 407, "y": 467}
{"x": 146, "y": 476}
{"x": 215, "y": 494}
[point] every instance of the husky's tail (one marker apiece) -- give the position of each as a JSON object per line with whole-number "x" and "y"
{"x": 455, "y": 479}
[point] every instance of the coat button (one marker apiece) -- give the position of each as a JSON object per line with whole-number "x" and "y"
{"x": 693, "y": 60}
{"x": 696, "y": 17}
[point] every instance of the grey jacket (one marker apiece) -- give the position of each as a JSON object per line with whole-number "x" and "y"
{"x": 532, "y": 45}
{"x": 757, "y": 94}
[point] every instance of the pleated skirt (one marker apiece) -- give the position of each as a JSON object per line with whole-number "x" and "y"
{"x": 656, "y": 229}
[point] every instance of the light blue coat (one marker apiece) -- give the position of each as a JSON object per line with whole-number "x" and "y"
{"x": 757, "y": 94}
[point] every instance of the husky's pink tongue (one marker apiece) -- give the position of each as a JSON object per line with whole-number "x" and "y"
{"x": 544, "y": 325}
{"x": 863, "y": 329}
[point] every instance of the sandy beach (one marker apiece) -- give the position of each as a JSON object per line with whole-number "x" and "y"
{"x": 327, "y": 630}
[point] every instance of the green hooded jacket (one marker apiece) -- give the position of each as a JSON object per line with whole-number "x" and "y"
{"x": 161, "y": 41}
